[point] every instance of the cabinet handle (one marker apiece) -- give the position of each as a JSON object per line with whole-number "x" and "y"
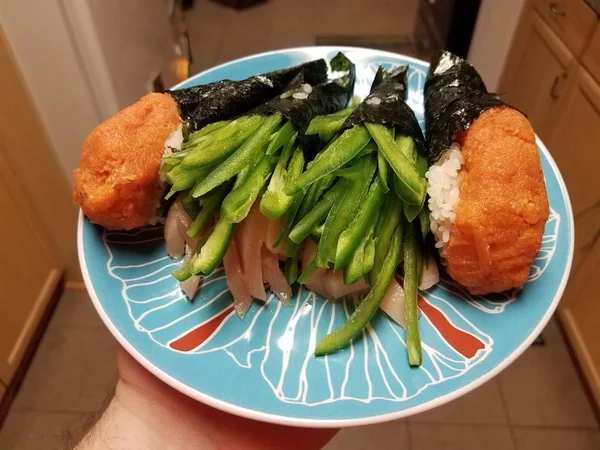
{"x": 557, "y": 85}
{"x": 554, "y": 9}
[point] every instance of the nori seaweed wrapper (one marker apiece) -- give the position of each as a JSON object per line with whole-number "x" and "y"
{"x": 222, "y": 100}
{"x": 385, "y": 105}
{"x": 455, "y": 95}
{"x": 325, "y": 98}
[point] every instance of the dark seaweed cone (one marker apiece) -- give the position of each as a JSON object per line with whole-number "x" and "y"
{"x": 222, "y": 100}
{"x": 324, "y": 98}
{"x": 385, "y": 105}
{"x": 455, "y": 96}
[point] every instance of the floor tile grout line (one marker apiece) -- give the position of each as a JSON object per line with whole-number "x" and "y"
{"x": 504, "y": 403}
{"x": 409, "y": 435}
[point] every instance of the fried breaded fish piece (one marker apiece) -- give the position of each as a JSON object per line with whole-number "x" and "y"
{"x": 117, "y": 183}
{"x": 503, "y": 205}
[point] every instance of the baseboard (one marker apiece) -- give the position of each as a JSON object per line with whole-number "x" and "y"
{"x": 13, "y": 388}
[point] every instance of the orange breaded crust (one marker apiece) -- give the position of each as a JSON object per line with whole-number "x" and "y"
{"x": 117, "y": 183}
{"x": 503, "y": 205}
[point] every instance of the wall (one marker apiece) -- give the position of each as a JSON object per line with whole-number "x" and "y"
{"x": 123, "y": 45}
{"x": 494, "y": 30}
{"x": 40, "y": 39}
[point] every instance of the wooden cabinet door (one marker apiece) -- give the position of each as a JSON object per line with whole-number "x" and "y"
{"x": 536, "y": 71}
{"x": 580, "y": 316}
{"x": 575, "y": 146}
{"x": 29, "y": 273}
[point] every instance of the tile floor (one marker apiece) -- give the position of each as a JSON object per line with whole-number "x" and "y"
{"x": 537, "y": 403}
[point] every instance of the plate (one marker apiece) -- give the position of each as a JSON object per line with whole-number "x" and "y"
{"x": 262, "y": 367}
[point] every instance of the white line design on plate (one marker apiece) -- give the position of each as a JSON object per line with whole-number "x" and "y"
{"x": 279, "y": 341}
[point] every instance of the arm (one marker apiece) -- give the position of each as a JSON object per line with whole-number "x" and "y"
{"x": 147, "y": 414}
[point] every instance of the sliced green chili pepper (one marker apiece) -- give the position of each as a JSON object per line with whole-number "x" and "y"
{"x": 209, "y": 208}
{"x": 362, "y": 260}
{"x": 181, "y": 179}
{"x": 342, "y": 212}
{"x": 318, "y": 213}
{"x": 308, "y": 272}
{"x": 206, "y": 130}
{"x": 390, "y": 219}
{"x": 412, "y": 211}
{"x": 424, "y": 223}
{"x": 246, "y": 156}
{"x": 342, "y": 150}
{"x": 382, "y": 172}
{"x": 351, "y": 237}
{"x": 327, "y": 126}
{"x": 367, "y": 308}
{"x": 408, "y": 184}
{"x": 282, "y": 137}
{"x": 220, "y": 145}
{"x": 212, "y": 252}
{"x": 291, "y": 269}
{"x": 191, "y": 205}
{"x": 411, "y": 277}
{"x": 290, "y": 214}
{"x": 406, "y": 144}
{"x": 183, "y": 273}
{"x": 275, "y": 202}
{"x": 238, "y": 202}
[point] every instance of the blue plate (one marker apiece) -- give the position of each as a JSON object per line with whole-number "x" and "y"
{"x": 262, "y": 367}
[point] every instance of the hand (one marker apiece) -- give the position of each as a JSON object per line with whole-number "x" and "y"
{"x": 145, "y": 414}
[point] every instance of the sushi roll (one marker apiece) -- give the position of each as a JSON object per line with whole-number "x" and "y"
{"x": 118, "y": 184}
{"x": 487, "y": 198}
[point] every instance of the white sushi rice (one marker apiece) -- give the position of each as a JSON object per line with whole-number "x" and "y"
{"x": 172, "y": 144}
{"x": 443, "y": 193}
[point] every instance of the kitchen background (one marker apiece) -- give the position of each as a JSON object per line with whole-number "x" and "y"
{"x": 66, "y": 65}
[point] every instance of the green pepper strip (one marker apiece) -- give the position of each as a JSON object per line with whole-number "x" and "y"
{"x": 411, "y": 187}
{"x": 382, "y": 172}
{"x": 191, "y": 205}
{"x": 318, "y": 213}
{"x": 181, "y": 179}
{"x": 308, "y": 272}
{"x": 183, "y": 273}
{"x": 362, "y": 259}
{"x": 246, "y": 156}
{"x": 275, "y": 202}
{"x": 413, "y": 340}
{"x": 412, "y": 211}
{"x": 206, "y": 130}
{"x": 406, "y": 144}
{"x": 351, "y": 237}
{"x": 291, "y": 269}
{"x": 335, "y": 156}
{"x": 238, "y": 202}
{"x": 389, "y": 220}
{"x": 342, "y": 212}
{"x": 282, "y": 137}
{"x": 327, "y": 126}
{"x": 365, "y": 311}
{"x": 220, "y": 145}
{"x": 209, "y": 208}
{"x": 212, "y": 252}
{"x": 290, "y": 214}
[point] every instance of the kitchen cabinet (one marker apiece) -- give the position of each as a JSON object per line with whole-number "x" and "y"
{"x": 33, "y": 192}
{"x": 536, "y": 71}
{"x": 29, "y": 274}
{"x": 552, "y": 74}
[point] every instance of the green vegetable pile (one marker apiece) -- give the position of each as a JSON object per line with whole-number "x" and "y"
{"x": 360, "y": 197}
